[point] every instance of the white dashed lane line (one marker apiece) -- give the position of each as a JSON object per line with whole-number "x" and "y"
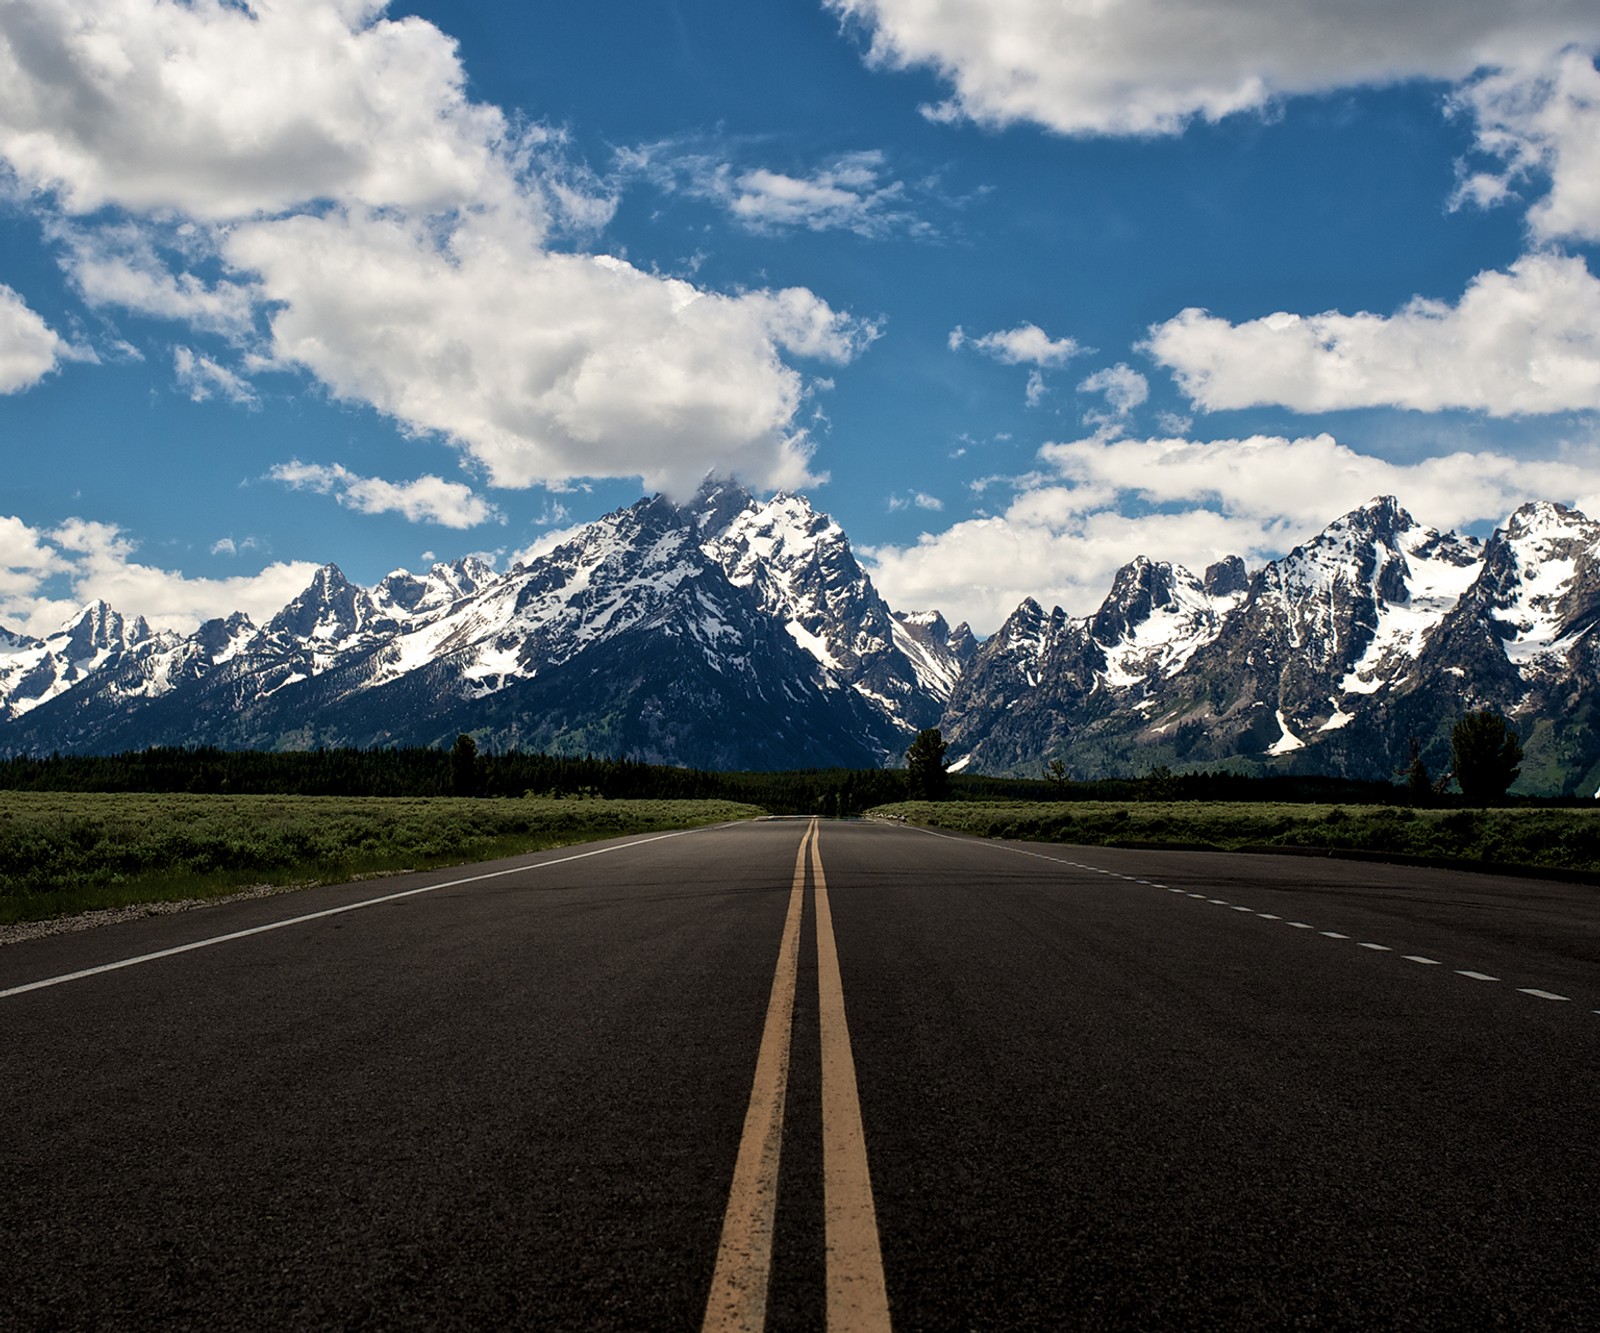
{"x": 1371, "y": 945}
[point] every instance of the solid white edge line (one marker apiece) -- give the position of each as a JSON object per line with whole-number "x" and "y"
{"x": 337, "y": 911}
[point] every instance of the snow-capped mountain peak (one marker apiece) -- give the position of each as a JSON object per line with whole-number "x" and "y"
{"x": 1155, "y": 618}
{"x": 800, "y": 564}
{"x": 1541, "y": 582}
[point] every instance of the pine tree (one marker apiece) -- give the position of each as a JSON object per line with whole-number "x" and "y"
{"x": 1487, "y": 755}
{"x": 464, "y": 773}
{"x": 926, "y": 779}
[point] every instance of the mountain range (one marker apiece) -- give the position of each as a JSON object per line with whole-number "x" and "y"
{"x": 733, "y": 632}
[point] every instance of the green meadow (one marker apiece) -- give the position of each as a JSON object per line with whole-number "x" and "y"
{"x": 1562, "y": 839}
{"x": 71, "y": 852}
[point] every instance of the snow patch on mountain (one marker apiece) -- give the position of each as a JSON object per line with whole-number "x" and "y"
{"x": 1155, "y": 619}
{"x": 1547, "y": 544}
{"x": 1437, "y": 570}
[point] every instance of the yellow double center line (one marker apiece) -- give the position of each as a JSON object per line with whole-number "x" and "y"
{"x": 856, "y": 1297}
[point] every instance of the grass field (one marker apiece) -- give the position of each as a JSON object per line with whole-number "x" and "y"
{"x": 64, "y": 853}
{"x": 1565, "y": 839}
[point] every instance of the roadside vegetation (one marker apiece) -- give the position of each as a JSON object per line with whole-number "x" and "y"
{"x": 79, "y": 832}
{"x": 1557, "y": 838}
{"x": 65, "y": 852}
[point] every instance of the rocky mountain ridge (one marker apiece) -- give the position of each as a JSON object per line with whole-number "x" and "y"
{"x": 734, "y": 632}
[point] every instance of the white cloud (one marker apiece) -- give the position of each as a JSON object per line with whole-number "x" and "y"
{"x": 1519, "y": 342}
{"x": 335, "y": 177}
{"x": 95, "y": 560}
{"x": 981, "y": 569}
{"x": 1104, "y": 501}
{"x": 546, "y": 542}
{"x": 218, "y": 110}
{"x": 1148, "y": 67}
{"x": 1274, "y": 481}
{"x": 1025, "y": 345}
{"x": 121, "y": 266}
{"x": 545, "y": 367}
{"x": 203, "y": 379}
{"x": 26, "y": 561}
{"x": 1124, "y": 389}
{"x": 426, "y": 500}
{"x": 920, "y": 499}
{"x": 29, "y": 348}
{"x": 1543, "y": 124}
{"x": 850, "y": 193}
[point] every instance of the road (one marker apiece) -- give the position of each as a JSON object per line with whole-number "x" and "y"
{"x": 1091, "y": 1088}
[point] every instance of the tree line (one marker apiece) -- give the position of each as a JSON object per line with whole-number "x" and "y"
{"x": 1486, "y": 755}
{"x": 462, "y": 770}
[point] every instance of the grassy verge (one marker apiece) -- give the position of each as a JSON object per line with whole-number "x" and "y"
{"x": 1565, "y": 839}
{"x": 62, "y": 853}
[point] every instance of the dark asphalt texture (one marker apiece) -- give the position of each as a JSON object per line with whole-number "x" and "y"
{"x": 1089, "y": 1102}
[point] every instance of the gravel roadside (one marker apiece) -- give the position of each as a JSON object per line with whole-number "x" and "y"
{"x": 16, "y": 932}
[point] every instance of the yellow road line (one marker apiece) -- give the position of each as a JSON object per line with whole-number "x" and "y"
{"x": 857, "y": 1299}
{"x": 738, "y": 1299}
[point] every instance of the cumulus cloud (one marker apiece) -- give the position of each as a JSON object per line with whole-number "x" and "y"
{"x": 314, "y": 163}
{"x": 90, "y": 560}
{"x": 204, "y": 379}
{"x": 218, "y": 110}
{"x": 1148, "y": 67}
{"x": 1275, "y": 481}
{"x": 426, "y": 500}
{"x": 1124, "y": 389}
{"x": 1544, "y": 127}
{"x": 121, "y": 266}
{"x": 853, "y": 192}
{"x": 981, "y": 569}
{"x": 1099, "y": 502}
{"x": 544, "y": 366}
{"x": 26, "y": 560}
{"x": 1025, "y": 345}
{"x": 1519, "y": 342}
{"x": 29, "y": 348}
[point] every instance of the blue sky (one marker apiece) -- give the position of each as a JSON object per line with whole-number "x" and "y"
{"x": 1016, "y": 289}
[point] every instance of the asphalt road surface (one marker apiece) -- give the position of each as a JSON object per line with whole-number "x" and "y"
{"x": 796, "y": 1076}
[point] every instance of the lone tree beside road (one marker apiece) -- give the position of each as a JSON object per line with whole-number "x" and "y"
{"x": 1486, "y": 753}
{"x": 465, "y": 771}
{"x": 926, "y": 779}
